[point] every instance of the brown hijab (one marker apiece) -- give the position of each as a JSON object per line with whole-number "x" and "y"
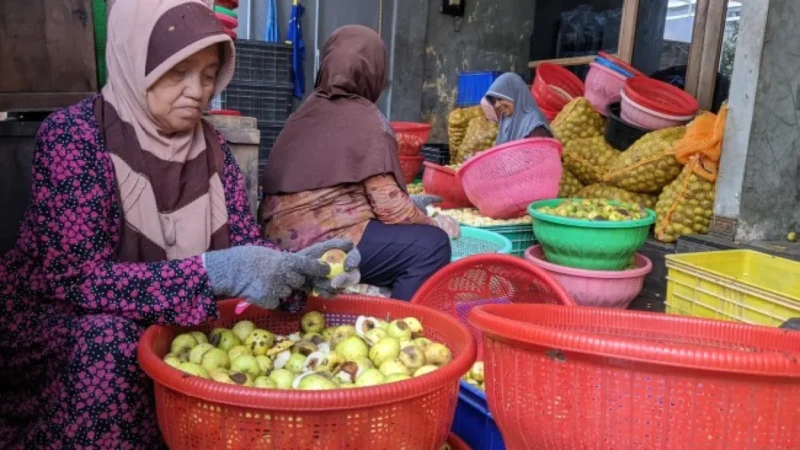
{"x": 338, "y": 135}
{"x": 169, "y": 186}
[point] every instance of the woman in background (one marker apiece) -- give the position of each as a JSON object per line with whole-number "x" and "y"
{"x": 334, "y": 172}
{"x": 516, "y": 110}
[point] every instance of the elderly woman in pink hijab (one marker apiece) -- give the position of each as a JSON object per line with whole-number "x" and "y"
{"x": 138, "y": 216}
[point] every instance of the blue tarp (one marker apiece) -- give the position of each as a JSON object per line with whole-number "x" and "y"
{"x": 295, "y": 35}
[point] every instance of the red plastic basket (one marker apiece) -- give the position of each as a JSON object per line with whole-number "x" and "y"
{"x": 592, "y": 378}
{"x": 501, "y": 182}
{"x": 441, "y": 181}
{"x": 198, "y": 414}
{"x": 230, "y": 4}
{"x": 411, "y": 137}
{"x": 411, "y": 165}
{"x": 550, "y": 75}
{"x": 488, "y": 278}
{"x": 660, "y": 97}
{"x": 227, "y": 21}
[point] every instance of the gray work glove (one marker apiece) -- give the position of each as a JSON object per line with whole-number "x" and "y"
{"x": 352, "y": 276}
{"x": 423, "y": 201}
{"x": 264, "y": 276}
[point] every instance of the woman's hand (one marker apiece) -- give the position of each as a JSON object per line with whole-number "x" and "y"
{"x": 449, "y": 225}
{"x": 264, "y": 276}
{"x": 328, "y": 288}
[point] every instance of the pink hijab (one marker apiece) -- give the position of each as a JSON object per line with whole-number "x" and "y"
{"x": 169, "y": 185}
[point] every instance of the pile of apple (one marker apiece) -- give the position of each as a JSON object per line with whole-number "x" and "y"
{"x": 369, "y": 353}
{"x": 475, "y": 376}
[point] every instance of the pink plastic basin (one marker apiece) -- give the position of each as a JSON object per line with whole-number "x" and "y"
{"x": 646, "y": 118}
{"x": 609, "y": 289}
{"x": 603, "y": 87}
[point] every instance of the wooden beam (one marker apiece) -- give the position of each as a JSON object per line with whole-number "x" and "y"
{"x": 696, "y": 47}
{"x": 712, "y": 49}
{"x": 575, "y": 61}
{"x": 627, "y": 29}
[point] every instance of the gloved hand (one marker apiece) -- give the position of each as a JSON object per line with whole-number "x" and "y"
{"x": 449, "y": 225}
{"x": 329, "y": 288}
{"x": 423, "y": 201}
{"x": 264, "y": 276}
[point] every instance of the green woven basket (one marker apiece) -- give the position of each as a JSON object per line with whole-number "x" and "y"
{"x": 474, "y": 241}
{"x": 586, "y": 244}
{"x": 521, "y": 237}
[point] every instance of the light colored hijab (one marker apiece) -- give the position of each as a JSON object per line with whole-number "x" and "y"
{"x": 527, "y": 116}
{"x": 169, "y": 185}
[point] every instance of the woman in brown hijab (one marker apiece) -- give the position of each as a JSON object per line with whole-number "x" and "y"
{"x": 138, "y": 216}
{"x": 334, "y": 172}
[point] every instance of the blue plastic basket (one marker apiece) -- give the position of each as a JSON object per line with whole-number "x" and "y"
{"x": 474, "y": 241}
{"x": 474, "y": 423}
{"x": 472, "y": 86}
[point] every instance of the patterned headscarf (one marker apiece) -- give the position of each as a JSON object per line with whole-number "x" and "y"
{"x": 169, "y": 185}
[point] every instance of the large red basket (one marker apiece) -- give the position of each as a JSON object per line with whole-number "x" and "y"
{"x": 411, "y": 165}
{"x": 592, "y": 378}
{"x": 481, "y": 278}
{"x": 550, "y": 76}
{"x": 502, "y": 181}
{"x": 410, "y": 137}
{"x": 441, "y": 181}
{"x": 660, "y": 96}
{"x": 198, "y": 414}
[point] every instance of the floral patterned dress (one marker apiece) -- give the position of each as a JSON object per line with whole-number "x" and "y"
{"x": 71, "y": 315}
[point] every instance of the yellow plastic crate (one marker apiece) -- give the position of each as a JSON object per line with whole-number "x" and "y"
{"x": 740, "y": 285}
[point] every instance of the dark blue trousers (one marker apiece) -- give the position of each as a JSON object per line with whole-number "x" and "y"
{"x": 402, "y": 257}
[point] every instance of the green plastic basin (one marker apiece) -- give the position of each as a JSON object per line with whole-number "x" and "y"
{"x": 586, "y": 244}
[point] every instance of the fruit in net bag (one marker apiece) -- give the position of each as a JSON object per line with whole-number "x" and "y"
{"x": 457, "y": 123}
{"x": 578, "y": 120}
{"x": 607, "y": 192}
{"x": 649, "y": 164}
{"x": 481, "y": 134}
{"x": 569, "y": 186}
{"x": 589, "y": 159}
{"x": 685, "y": 207}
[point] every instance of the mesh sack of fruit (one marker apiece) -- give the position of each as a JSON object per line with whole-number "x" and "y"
{"x": 481, "y": 134}
{"x": 569, "y": 186}
{"x": 649, "y": 164}
{"x": 457, "y": 123}
{"x": 589, "y": 159}
{"x": 604, "y": 191}
{"x": 685, "y": 206}
{"x": 578, "y": 120}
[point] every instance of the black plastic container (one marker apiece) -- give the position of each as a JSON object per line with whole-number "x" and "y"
{"x": 621, "y": 134}
{"x": 262, "y": 63}
{"x": 265, "y": 103}
{"x": 437, "y": 153}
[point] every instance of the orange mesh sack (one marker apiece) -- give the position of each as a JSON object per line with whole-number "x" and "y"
{"x": 570, "y": 184}
{"x": 481, "y": 134}
{"x": 604, "y": 191}
{"x": 578, "y": 120}
{"x": 589, "y": 159}
{"x": 687, "y": 204}
{"x": 457, "y": 123}
{"x": 649, "y": 164}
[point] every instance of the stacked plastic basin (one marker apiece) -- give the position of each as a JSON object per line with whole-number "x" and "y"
{"x": 225, "y": 10}
{"x": 554, "y": 87}
{"x": 410, "y": 138}
{"x": 606, "y": 78}
{"x": 595, "y": 261}
{"x": 652, "y": 105}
